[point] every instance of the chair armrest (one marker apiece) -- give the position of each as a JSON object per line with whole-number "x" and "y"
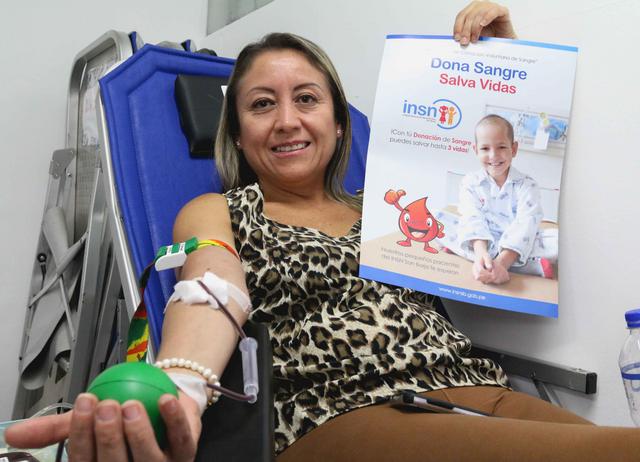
{"x": 573, "y": 378}
{"x": 235, "y": 431}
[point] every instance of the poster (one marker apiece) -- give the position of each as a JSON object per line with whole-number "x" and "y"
{"x": 464, "y": 170}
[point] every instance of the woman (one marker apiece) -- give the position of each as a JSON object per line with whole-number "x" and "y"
{"x": 340, "y": 343}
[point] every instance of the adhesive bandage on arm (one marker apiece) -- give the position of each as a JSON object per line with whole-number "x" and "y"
{"x": 192, "y": 386}
{"x": 191, "y": 292}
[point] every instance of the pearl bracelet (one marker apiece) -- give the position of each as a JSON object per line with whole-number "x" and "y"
{"x": 209, "y": 377}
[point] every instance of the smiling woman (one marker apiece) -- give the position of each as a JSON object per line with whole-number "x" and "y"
{"x": 287, "y": 104}
{"x": 323, "y": 90}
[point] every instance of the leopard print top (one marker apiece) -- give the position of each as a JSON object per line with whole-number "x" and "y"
{"x": 340, "y": 342}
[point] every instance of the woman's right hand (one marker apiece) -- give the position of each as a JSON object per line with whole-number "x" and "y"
{"x": 102, "y": 431}
{"x": 482, "y": 18}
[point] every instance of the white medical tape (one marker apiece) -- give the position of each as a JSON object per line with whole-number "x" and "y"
{"x": 191, "y": 292}
{"x": 193, "y": 386}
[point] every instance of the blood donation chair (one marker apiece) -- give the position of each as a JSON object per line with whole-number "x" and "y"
{"x": 156, "y": 121}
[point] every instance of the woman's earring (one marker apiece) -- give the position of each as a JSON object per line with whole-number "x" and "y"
{"x": 339, "y": 132}
{"x": 237, "y": 144}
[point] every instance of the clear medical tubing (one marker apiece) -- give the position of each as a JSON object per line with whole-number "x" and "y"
{"x": 248, "y": 347}
{"x": 630, "y": 364}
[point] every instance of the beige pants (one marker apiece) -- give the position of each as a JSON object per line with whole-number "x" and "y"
{"x": 528, "y": 429}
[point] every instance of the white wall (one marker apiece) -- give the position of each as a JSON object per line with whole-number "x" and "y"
{"x": 598, "y": 211}
{"x": 223, "y": 12}
{"x": 39, "y": 40}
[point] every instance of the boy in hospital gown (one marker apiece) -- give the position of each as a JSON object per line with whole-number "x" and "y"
{"x": 499, "y": 227}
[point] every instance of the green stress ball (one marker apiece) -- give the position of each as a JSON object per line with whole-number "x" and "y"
{"x": 139, "y": 381}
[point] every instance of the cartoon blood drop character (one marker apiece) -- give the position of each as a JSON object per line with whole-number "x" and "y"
{"x": 415, "y": 222}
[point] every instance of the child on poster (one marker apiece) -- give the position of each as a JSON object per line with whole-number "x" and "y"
{"x": 499, "y": 226}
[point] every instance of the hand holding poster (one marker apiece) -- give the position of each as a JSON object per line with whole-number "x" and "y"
{"x": 464, "y": 169}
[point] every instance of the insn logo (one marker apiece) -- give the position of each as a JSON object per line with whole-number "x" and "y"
{"x": 443, "y": 112}
{"x": 419, "y": 110}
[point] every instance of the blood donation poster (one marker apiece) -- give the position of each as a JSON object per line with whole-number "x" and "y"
{"x": 464, "y": 170}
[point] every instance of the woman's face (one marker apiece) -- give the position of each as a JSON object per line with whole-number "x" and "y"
{"x": 288, "y": 130}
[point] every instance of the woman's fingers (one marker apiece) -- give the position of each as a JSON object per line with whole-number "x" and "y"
{"x": 39, "y": 432}
{"x": 468, "y": 21}
{"x": 459, "y": 25}
{"x": 482, "y": 18}
{"x": 139, "y": 433}
{"x": 109, "y": 435}
{"x": 182, "y": 442}
{"x": 492, "y": 21}
{"x": 472, "y": 23}
{"x": 101, "y": 431}
{"x": 476, "y": 24}
{"x": 81, "y": 446}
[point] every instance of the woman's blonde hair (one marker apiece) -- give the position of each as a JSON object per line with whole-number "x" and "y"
{"x": 232, "y": 166}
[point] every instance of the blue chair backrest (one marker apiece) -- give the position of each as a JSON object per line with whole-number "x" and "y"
{"x": 153, "y": 171}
